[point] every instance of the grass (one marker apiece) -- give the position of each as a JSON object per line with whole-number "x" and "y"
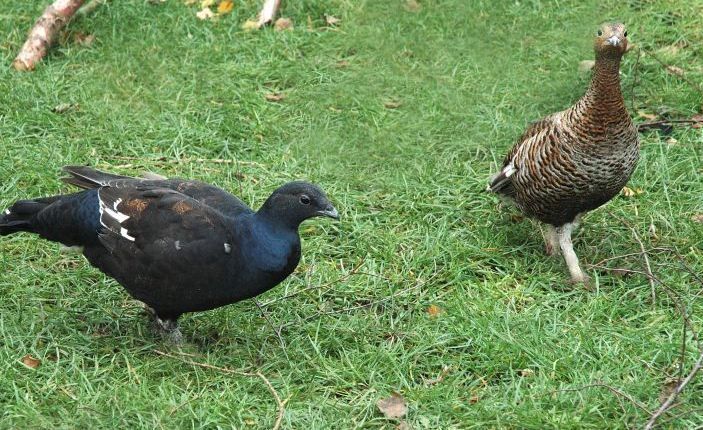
{"x": 159, "y": 90}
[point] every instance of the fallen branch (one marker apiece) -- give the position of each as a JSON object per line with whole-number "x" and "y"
{"x": 45, "y": 32}
{"x": 166, "y": 160}
{"x": 674, "y": 394}
{"x": 268, "y": 12}
{"x": 643, "y": 126}
{"x": 280, "y": 403}
{"x": 614, "y": 390}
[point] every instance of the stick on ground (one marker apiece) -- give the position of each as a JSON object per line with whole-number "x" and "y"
{"x": 44, "y": 33}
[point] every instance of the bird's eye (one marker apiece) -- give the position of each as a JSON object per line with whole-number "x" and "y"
{"x": 305, "y": 199}
{"x": 625, "y": 34}
{"x": 600, "y": 33}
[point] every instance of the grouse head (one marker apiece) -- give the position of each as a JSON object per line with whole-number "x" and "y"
{"x": 611, "y": 40}
{"x": 297, "y": 201}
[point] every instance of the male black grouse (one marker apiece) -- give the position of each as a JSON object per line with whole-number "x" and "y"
{"x": 177, "y": 245}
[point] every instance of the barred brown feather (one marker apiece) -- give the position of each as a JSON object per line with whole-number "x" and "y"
{"x": 578, "y": 159}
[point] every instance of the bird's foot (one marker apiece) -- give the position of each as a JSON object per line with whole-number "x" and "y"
{"x": 168, "y": 330}
{"x": 582, "y": 281}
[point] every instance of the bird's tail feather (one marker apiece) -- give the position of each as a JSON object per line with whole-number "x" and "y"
{"x": 19, "y": 216}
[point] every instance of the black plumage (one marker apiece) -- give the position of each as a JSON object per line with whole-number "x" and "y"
{"x": 177, "y": 245}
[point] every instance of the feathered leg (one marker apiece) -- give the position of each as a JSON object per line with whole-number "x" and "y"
{"x": 567, "y": 249}
{"x": 551, "y": 241}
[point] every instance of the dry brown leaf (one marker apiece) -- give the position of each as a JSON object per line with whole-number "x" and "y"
{"x": 206, "y": 13}
{"x": 474, "y": 399}
{"x": 65, "y": 107}
{"x": 697, "y": 218}
{"x": 225, "y": 7}
{"x": 630, "y": 192}
{"x": 669, "y": 386}
{"x": 250, "y": 25}
{"x": 30, "y": 361}
{"x": 283, "y": 24}
{"x": 434, "y": 310}
{"x": 392, "y": 104}
{"x": 84, "y": 39}
{"x": 698, "y": 121}
{"x": 412, "y": 6}
{"x": 393, "y": 407}
{"x": 671, "y": 141}
{"x": 645, "y": 115}
{"x": 331, "y": 20}
{"x": 675, "y": 70}
{"x": 526, "y": 373}
{"x": 586, "y": 65}
{"x": 342, "y": 64}
{"x": 403, "y": 426}
{"x": 275, "y": 97}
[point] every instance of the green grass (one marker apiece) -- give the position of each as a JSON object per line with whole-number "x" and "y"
{"x": 159, "y": 90}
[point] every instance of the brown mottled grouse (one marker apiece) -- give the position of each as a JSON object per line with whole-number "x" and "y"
{"x": 574, "y": 161}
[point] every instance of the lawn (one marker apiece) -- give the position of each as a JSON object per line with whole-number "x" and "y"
{"x": 426, "y": 287}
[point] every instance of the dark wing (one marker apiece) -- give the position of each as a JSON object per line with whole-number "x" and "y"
{"x": 216, "y": 198}
{"x": 161, "y": 244}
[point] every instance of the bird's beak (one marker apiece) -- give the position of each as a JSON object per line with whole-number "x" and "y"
{"x": 613, "y": 40}
{"x": 330, "y": 211}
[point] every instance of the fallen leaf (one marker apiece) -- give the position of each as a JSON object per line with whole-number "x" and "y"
{"x": 434, "y": 310}
{"x": 393, "y": 406}
{"x": 206, "y": 13}
{"x": 526, "y": 373}
{"x": 64, "y": 107}
{"x": 412, "y": 6}
{"x": 645, "y": 115}
{"x": 332, "y": 20}
{"x": 698, "y": 118}
{"x": 84, "y": 39}
{"x": 671, "y": 141}
{"x": 342, "y": 64}
{"x": 392, "y": 104}
{"x": 30, "y": 361}
{"x": 403, "y": 426}
{"x": 586, "y": 65}
{"x": 653, "y": 232}
{"x": 697, "y": 218}
{"x": 629, "y": 192}
{"x": 283, "y": 24}
{"x": 674, "y": 70}
{"x": 275, "y": 97}
{"x": 207, "y": 3}
{"x": 669, "y": 386}
{"x": 250, "y": 25}
{"x": 225, "y": 7}
{"x": 474, "y": 399}
{"x": 440, "y": 378}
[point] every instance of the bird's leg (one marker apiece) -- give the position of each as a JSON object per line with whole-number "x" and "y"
{"x": 567, "y": 249}
{"x": 168, "y": 329}
{"x": 551, "y": 241}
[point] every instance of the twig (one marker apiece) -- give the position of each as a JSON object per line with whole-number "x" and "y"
{"x": 668, "y": 67}
{"x": 281, "y": 404}
{"x": 648, "y": 267}
{"x": 270, "y": 323}
{"x": 353, "y": 308}
{"x": 354, "y": 271}
{"x": 186, "y": 160}
{"x": 611, "y": 389}
{"x": 654, "y": 124}
{"x": 674, "y": 394}
{"x": 90, "y": 7}
{"x": 44, "y": 32}
{"x": 634, "y": 80}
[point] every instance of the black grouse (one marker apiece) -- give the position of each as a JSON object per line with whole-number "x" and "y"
{"x": 177, "y": 245}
